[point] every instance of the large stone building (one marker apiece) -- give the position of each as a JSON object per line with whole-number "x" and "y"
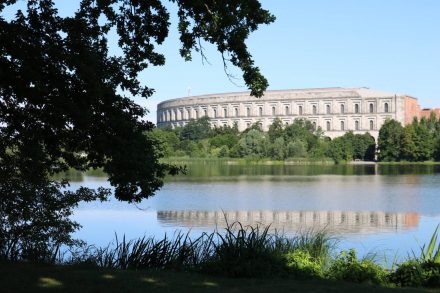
{"x": 335, "y": 110}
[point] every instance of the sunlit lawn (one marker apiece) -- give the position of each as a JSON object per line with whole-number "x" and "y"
{"x": 32, "y": 278}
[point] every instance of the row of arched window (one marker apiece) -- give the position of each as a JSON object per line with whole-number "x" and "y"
{"x": 342, "y": 125}
{"x": 356, "y": 125}
{"x": 173, "y": 114}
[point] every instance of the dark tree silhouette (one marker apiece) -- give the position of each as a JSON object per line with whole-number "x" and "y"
{"x": 65, "y": 101}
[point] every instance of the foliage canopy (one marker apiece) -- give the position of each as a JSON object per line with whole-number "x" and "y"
{"x": 66, "y": 101}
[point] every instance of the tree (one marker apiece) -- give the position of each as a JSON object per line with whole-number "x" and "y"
{"x": 220, "y": 140}
{"x": 423, "y": 140}
{"x": 253, "y": 143}
{"x": 278, "y": 149}
{"x": 197, "y": 129}
{"x": 275, "y": 130}
{"x": 296, "y": 149}
{"x": 65, "y": 101}
{"x": 341, "y": 148}
{"x": 364, "y": 147}
{"x": 409, "y": 148}
{"x": 167, "y": 141}
{"x": 302, "y": 130}
{"x": 389, "y": 142}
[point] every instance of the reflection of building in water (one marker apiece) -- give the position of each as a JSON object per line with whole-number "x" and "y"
{"x": 292, "y": 221}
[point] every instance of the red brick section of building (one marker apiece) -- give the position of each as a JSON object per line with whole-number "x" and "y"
{"x": 412, "y": 109}
{"x": 427, "y": 112}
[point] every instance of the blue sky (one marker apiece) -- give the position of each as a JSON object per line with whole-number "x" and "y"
{"x": 390, "y": 45}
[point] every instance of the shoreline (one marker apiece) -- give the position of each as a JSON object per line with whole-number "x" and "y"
{"x": 293, "y": 161}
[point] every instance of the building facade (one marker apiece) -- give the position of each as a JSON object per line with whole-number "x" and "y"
{"x": 334, "y": 110}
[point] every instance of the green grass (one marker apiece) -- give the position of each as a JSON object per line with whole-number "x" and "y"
{"x": 25, "y": 277}
{"x": 404, "y": 163}
{"x": 249, "y": 161}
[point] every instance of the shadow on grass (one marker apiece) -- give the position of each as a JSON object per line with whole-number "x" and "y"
{"x": 23, "y": 277}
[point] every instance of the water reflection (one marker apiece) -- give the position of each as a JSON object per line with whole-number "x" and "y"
{"x": 341, "y": 222}
{"x": 214, "y": 171}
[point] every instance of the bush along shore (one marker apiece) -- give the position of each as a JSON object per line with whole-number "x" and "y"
{"x": 301, "y": 141}
{"x": 247, "y": 252}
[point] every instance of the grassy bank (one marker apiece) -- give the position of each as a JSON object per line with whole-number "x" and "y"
{"x": 407, "y": 163}
{"x": 293, "y": 161}
{"x": 25, "y": 277}
{"x": 239, "y": 259}
{"x": 248, "y": 161}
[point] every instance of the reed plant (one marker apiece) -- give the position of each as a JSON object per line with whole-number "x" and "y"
{"x": 236, "y": 251}
{"x": 255, "y": 251}
{"x": 422, "y": 269}
{"x": 246, "y": 251}
{"x": 431, "y": 253}
{"x": 179, "y": 252}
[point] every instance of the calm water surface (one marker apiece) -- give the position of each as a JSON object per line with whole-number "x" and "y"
{"x": 372, "y": 208}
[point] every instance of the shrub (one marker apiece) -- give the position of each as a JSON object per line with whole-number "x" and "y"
{"x": 414, "y": 273}
{"x": 224, "y": 152}
{"x": 348, "y": 267}
{"x": 301, "y": 264}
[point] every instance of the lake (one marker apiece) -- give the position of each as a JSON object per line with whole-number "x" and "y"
{"x": 383, "y": 209}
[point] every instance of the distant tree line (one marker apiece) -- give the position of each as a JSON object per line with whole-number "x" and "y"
{"x": 297, "y": 140}
{"x": 418, "y": 141}
{"x": 415, "y": 142}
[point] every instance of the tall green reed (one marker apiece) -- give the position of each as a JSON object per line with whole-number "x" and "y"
{"x": 235, "y": 251}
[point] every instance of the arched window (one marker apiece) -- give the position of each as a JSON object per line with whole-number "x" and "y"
{"x": 287, "y": 110}
{"x": 356, "y": 125}
{"x": 314, "y": 110}
{"x": 248, "y": 111}
{"x": 225, "y": 112}
{"x": 342, "y": 108}
{"x": 371, "y": 125}
{"x": 215, "y": 113}
{"x": 342, "y": 125}
{"x": 236, "y": 112}
{"x": 371, "y": 108}
{"x": 260, "y": 111}
{"x": 386, "y": 107}
{"x": 356, "y": 108}
{"x": 300, "y": 110}
{"x": 204, "y": 112}
{"x": 328, "y": 125}
{"x": 314, "y": 125}
{"x": 273, "y": 111}
{"x": 175, "y": 115}
{"x": 181, "y": 114}
{"x": 327, "y": 109}
{"x": 197, "y": 114}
